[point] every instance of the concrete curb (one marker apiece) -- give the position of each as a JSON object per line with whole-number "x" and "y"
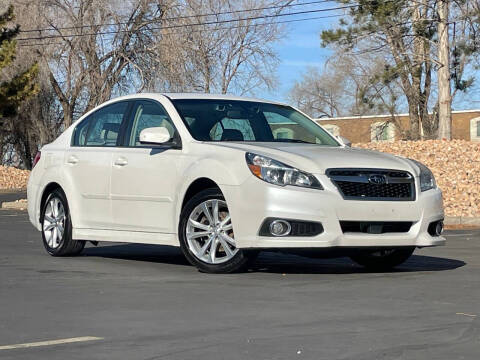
{"x": 461, "y": 220}
{"x": 15, "y": 205}
{"x": 11, "y": 195}
{"x": 9, "y": 191}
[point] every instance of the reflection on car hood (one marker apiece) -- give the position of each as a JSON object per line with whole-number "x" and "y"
{"x": 317, "y": 158}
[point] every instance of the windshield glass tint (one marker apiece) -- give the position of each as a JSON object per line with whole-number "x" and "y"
{"x": 231, "y": 120}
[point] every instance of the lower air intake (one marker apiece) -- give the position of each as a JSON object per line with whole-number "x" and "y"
{"x": 376, "y": 227}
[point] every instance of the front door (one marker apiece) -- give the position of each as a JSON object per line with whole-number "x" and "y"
{"x": 144, "y": 177}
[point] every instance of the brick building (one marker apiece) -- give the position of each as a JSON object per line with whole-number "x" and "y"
{"x": 465, "y": 125}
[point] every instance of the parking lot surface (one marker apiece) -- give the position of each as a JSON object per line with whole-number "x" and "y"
{"x": 6, "y": 196}
{"x": 146, "y": 302}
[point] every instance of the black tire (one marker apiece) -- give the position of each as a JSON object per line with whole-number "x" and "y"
{"x": 239, "y": 262}
{"x": 66, "y": 246}
{"x": 379, "y": 260}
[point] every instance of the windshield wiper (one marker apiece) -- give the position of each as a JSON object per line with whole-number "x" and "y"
{"x": 293, "y": 141}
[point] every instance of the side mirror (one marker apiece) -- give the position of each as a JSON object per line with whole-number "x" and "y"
{"x": 345, "y": 141}
{"x": 155, "y": 135}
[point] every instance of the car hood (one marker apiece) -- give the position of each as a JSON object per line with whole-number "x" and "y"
{"x": 317, "y": 158}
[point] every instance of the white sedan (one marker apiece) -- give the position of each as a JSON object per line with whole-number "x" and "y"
{"x": 224, "y": 177}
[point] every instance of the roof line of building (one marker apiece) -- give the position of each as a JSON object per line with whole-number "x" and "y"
{"x": 383, "y": 116}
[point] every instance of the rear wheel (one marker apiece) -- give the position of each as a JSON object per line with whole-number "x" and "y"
{"x": 206, "y": 235}
{"x": 383, "y": 259}
{"x": 57, "y": 227}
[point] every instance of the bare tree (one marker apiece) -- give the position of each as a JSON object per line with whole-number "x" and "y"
{"x": 230, "y": 52}
{"x": 91, "y": 50}
{"x": 406, "y": 34}
{"x": 347, "y": 85}
{"x": 91, "y": 47}
{"x": 404, "y": 29}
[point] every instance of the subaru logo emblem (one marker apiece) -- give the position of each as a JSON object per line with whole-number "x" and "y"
{"x": 377, "y": 179}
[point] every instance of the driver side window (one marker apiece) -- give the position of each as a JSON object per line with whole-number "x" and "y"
{"x": 148, "y": 114}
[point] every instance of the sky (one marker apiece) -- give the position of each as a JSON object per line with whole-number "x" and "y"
{"x": 301, "y": 49}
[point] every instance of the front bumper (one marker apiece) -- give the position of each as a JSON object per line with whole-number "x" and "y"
{"x": 255, "y": 200}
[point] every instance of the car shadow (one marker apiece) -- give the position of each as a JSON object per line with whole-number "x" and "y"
{"x": 270, "y": 262}
{"x": 139, "y": 252}
{"x": 292, "y": 264}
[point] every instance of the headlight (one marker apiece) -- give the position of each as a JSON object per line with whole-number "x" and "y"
{"x": 427, "y": 180}
{"x": 275, "y": 172}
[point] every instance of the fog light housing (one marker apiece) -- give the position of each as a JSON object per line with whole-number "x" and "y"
{"x": 289, "y": 227}
{"x": 280, "y": 228}
{"x": 435, "y": 228}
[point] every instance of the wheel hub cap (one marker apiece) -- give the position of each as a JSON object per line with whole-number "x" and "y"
{"x": 209, "y": 232}
{"x": 54, "y": 222}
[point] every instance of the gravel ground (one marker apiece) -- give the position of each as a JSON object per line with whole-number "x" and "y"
{"x": 12, "y": 178}
{"x": 455, "y": 164}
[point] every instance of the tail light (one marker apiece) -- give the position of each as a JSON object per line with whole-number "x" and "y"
{"x": 36, "y": 159}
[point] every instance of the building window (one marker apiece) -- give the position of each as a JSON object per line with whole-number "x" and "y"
{"x": 333, "y": 129}
{"x": 382, "y": 131}
{"x": 475, "y": 129}
{"x": 283, "y": 133}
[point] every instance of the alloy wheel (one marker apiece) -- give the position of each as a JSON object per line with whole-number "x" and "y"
{"x": 209, "y": 232}
{"x": 54, "y": 222}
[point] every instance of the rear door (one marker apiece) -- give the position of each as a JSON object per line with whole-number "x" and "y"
{"x": 88, "y": 165}
{"x": 145, "y": 177}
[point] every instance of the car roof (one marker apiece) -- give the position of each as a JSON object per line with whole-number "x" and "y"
{"x": 176, "y": 96}
{"x": 192, "y": 96}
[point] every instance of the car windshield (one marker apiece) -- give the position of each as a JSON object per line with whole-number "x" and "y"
{"x": 233, "y": 120}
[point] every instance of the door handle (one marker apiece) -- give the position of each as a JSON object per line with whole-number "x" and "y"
{"x": 121, "y": 162}
{"x": 72, "y": 159}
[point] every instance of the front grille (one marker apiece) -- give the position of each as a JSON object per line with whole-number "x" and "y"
{"x": 373, "y": 184}
{"x": 351, "y": 189}
{"x": 376, "y": 227}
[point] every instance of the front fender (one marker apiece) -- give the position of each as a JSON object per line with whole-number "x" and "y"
{"x": 214, "y": 170}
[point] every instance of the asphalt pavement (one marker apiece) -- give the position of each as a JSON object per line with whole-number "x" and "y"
{"x": 11, "y": 195}
{"x": 120, "y": 301}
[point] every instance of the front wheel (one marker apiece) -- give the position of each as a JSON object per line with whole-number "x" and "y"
{"x": 383, "y": 259}
{"x": 206, "y": 235}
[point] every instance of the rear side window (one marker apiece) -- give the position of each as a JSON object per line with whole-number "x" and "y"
{"x": 102, "y": 127}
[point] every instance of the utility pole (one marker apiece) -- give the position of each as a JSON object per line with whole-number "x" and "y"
{"x": 444, "y": 88}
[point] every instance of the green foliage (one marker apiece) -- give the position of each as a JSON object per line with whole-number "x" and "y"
{"x": 17, "y": 88}
{"x": 366, "y": 18}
